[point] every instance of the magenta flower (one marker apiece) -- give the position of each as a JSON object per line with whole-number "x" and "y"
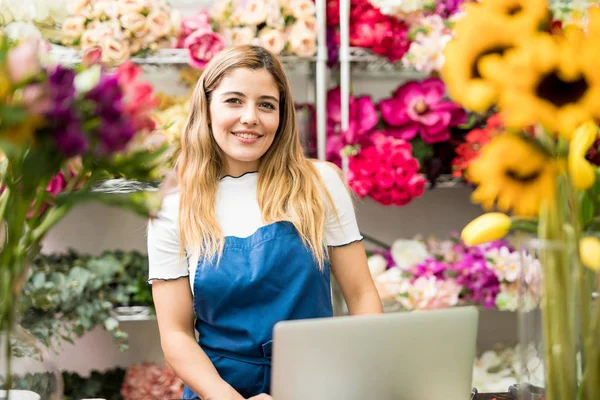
{"x": 362, "y": 120}
{"x": 419, "y": 109}
{"x": 386, "y": 171}
{"x": 202, "y": 46}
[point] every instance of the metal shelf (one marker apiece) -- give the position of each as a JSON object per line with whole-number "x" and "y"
{"x": 134, "y": 313}
{"x": 173, "y": 57}
{"x": 365, "y": 62}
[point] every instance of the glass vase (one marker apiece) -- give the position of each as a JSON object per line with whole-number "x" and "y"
{"x": 557, "y": 343}
{"x": 33, "y": 371}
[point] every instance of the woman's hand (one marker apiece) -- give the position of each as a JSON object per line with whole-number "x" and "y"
{"x": 261, "y": 396}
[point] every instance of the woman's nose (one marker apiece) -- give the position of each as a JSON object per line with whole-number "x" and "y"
{"x": 249, "y": 117}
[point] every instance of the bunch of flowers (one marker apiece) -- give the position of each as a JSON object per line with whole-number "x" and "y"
{"x": 63, "y": 131}
{"x": 198, "y": 37}
{"x": 280, "y": 26}
{"x": 428, "y": 274}
{"x": 32, "y": 18}
{"x": 120, "y": 28}
{"x": 417, "y": 114}
{"x": 414, "y": 32}
{"x": 542, "y": 177}
{"x": 151, "y": 381}
{"x": 386, "y": 171}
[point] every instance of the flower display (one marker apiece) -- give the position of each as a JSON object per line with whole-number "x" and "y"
{"x": 198, "y": 37}
{"x": 282, "y": 27}
{"x": 386, "y": 171}
{"x": 120, "y": 29}
{"x": 413, "y": 32}
{"x": 64, "y": 132}
{"x": 429, "y": 274}
{"x": 418, "y": 108}
{"x": 541, "y": 76}
{"x": 151, "y": 381}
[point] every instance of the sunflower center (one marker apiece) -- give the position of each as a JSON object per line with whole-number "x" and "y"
{"x": 500, "y": 50}
{"x": 559, "y": 92}
{"x": 522, "y": 177}
{"x": 514, "y": 10}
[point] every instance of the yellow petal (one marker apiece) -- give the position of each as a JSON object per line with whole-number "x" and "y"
{"x": 488, "y": 227}
{"x": 583, "y": 138}
{"x": 582, "y": 173}
{"x": 589, "y": 252}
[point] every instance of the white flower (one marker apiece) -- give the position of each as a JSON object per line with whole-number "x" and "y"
{"x": 20, "y": 29}
{"x": 219, "y": 10}
{"x": 87, "y": 79}
{"x": 302, "y": 9}
{"x": 239, "y": 36}
{"x": 134, "y": 23}
{"x": 72, "y": 29}
{"x": 377, "y": 264}
{"x": 506, "y": 264}
{"x": 408, "y": 253}
{"x": 303, "y": 44}
{"x": 255, "y": 12}
{"x": 272, "y": 40}
{"x": 390, "y": 284}
{"x": 508, "y": 298}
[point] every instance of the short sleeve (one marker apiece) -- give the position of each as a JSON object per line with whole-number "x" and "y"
{"x": 343, "y": 229}
{"x": 164, "y": 260}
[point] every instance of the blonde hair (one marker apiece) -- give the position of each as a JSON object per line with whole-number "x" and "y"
{"x": 289, "y": 186}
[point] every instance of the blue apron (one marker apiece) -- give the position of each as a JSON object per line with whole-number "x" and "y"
{"x": 262, "y": 279}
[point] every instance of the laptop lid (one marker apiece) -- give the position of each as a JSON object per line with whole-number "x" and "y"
{"x": 422, "y": 355}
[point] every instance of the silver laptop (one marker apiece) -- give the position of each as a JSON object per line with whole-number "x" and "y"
{"x": 422, "y": 355}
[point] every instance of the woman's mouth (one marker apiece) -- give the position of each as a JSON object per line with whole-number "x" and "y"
{"x": 247, "y": 137}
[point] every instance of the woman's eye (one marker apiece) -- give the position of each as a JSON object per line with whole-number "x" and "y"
{"x": 268, "y": 105}
{"x": 233, "y": 101}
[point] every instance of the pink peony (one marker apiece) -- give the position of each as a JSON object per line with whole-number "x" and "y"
{"x": 202, "y": 46}
{"x": 419, "y": 108}
{"x": 151, "y": 381}
{"x": 386, "y": 171}
{"x": 391, "y": 39}
{"x": 362, "y": 120}
{"x": 189, "y": 25}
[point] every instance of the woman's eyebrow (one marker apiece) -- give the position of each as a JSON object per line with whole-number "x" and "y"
{"x": 240, "y": 94}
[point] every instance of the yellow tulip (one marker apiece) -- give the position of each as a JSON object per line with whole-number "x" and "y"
{"x": 589, "y": 252}
{"x": 488, "y": 227}
{"x": 582, "y": 173}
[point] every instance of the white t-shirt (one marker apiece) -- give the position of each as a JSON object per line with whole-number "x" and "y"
{"x": 238, "y": 214}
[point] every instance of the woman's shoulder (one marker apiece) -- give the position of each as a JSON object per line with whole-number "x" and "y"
{"x": 329, "y": 172}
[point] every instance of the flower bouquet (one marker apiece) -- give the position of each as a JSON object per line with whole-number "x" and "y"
{"x": 431, "y": 274}
{"x": 545, "y": 82}
{"x": 280, "y": 26}
{"x": 120, "y": 28}
{"x": 62, "y": 132}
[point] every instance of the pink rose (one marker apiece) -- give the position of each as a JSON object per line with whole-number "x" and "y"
{"x": 36, "y": 98}
{"x": 198, "y": 21}
{"x": 159, "y": 24}
{"x": 23, "y": 61}
{"x": 57, "y": 184}
{"x": 202, "y": 46}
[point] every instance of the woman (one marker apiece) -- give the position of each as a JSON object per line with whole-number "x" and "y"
{"x": 251, "y": 233}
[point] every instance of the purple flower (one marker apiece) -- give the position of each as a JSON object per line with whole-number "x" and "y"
{"x": 114, "y": 136}
{"x": 418, "y": 108}
{"x": 333, "y": 47}
{"x": 431, "y": 267}
{"x": 387, "y": 254}
{"x": 70, "y": 139}
{"x": 446, "y": 8}
{"x": 481, "y": 283}
{"x": 61, "y": 84}
{"x": 107, "y": 92}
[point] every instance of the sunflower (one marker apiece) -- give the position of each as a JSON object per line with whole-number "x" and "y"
{"x": 528, "y": 15}
{"x": 478, "y": 36}
{"x": 549, "y": 80}
{"x": 514, "y": 175}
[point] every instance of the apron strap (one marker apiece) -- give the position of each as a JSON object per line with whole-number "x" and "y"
{"x": 264, "y": 360}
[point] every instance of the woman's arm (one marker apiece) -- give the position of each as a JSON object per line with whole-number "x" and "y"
{"x": 351, "y": 271}
{"x": 175, "y": 315}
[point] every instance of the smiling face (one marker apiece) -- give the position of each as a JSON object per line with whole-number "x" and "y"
{"x": 244, "y": 117}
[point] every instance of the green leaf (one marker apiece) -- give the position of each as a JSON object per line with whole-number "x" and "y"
{"x": 421, "y": 150}
{"x": 587, "y": 208}
{"x": 12, "y": 115}
{"x": 111, "y": 324}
